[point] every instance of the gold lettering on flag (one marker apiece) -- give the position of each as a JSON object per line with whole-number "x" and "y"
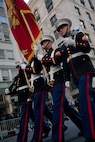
{"x": 12, "y": 14}
{"x": 25, "y": 51}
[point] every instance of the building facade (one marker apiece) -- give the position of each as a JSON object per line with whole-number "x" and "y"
{"x": 80, "y": 12}
{"x": 8, "y": 56}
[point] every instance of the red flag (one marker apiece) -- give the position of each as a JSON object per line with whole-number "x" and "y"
{"x": 23, "y": 26}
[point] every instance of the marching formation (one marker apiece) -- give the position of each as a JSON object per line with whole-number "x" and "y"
{"x": 52, "y": 71}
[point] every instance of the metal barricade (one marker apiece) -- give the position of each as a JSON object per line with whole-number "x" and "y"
{"x": 9, "y": 127}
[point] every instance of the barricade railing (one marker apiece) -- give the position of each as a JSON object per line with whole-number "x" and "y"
{"x": 9, "y": 127}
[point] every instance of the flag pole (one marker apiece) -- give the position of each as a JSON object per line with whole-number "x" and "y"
{"x": 29, "y": 30}
{"x": 27, "y": 80}
{"x": 32, "y": 37}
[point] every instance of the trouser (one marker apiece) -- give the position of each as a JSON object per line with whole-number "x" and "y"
{"x": 38, "y": 116}
{"x": 47, "y": 113}
{"x": 70, "y": 111}
{"x": 73, "y": 114}
{"x": 87, "y": 106}
{"x": 58, "y": 99}
{"x": 23, "y": 132}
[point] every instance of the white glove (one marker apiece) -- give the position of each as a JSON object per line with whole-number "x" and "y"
{"x": 7, "y": 91}
{"x": 23, "y": 66}
{"x": 67, "y": 84}
{"x": 68, "y": 42}
{"x": 36, "y": 49}
{"x": 69, "y": 96}
{"x": 93, "y": 82}
{"x": 40, "y": 56}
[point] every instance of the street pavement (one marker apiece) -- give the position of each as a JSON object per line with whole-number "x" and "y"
{"x": 71, "y": 135}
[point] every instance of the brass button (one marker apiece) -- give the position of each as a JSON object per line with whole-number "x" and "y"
{"x": 69, "y": 52}
{"x": 70, "y": 56}
{"x": 84, "y": 44}
{"x": 83, "y": 59}
{"x": 77, "y": 43}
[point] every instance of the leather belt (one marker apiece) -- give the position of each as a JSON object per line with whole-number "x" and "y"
{"x": 74, "y": 56}
{"x": 34, "y": 77}
{"x": 22, "y": 87}
{"x": 54, "y": 69}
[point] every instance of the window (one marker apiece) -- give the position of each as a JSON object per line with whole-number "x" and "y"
{"x": 82, "y": 24}
{"x": 6, "y": 37}
{"x": 13, "y": 73}
{"x": 89, "y": 39}
{"x": 82, "y": 2}
{"x": 56, "y": 34}
{"x": 2, "y": 55}
{"x": 37, "y": 15}
{"x": 88, "y": 16}
{"x": 53, "y": 20}
{"x": 77, "y": 11}
{"x": 6, "y": 54}
{"x": 93, "y": 27}
{"x": 49, "y": 5}
{"x": 91, "y": 5}
{"x": 10, "y": 55}
{"x": 5, "y": 75}
{"x": 1, "y": 36}
{"x": 1, "y": 4}
{"x": 3, "y": 19}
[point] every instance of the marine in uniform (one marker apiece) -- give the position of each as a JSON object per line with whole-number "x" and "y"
{"x": 77, "y": 62}
{"x": 36, "y": 87}
{"x": 20, "y": 86}
{"x": 55, "y": 79}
